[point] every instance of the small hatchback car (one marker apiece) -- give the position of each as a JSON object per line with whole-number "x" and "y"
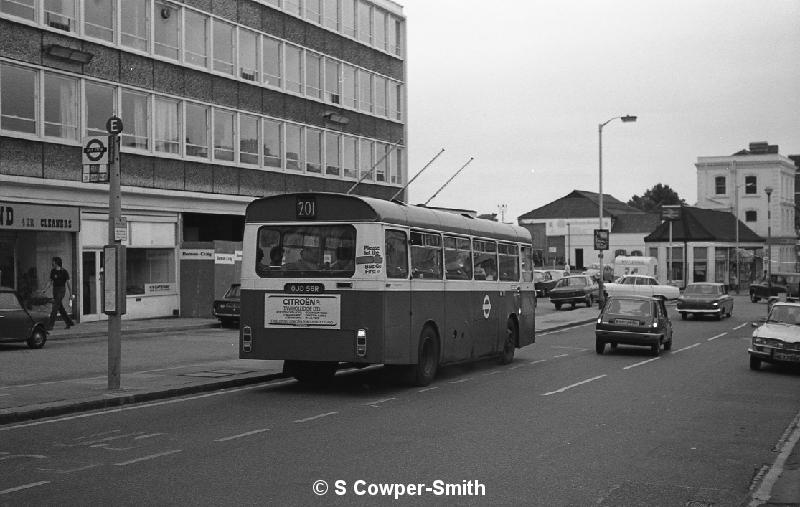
{"x": 634, "y": 320}
{"x": 705, "y": 299}
{"x": 777, "y": 340}
{"x": 227, "y": 309}
{"x": 20, "y": 325}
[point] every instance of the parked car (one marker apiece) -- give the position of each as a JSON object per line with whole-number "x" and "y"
{"x": 640, "y": 285}
{"x": 777, "y": 338}
{"x": 17, "y": 324}
{"x": 228, "y": 309}
{"x": 557, "y": 274}
{"x": 634, "y": 320}
{"x": 781, "y": 282}
{"x": 705, "y": 299}
{"x": 543, "y": 282}
{"x": 574, "y": 289}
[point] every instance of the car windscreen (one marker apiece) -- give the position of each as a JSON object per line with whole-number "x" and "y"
{"x": 785, "y": 314}
{"x": 9, "y": 301}
{"x": 631, "y": 307}
{"x": 233, "y": 292}
{"x": 306, "y": 251}
{"x": 701, "y": 290}
{"x": 571, "y": 282}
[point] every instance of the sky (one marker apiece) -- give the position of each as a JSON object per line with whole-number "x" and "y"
{"x": 522, "y": 85}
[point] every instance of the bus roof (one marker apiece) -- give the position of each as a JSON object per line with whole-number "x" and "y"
{"x": 332, "y": 207}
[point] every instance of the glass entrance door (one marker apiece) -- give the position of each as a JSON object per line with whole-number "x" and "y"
{"x": 92, "y": 283}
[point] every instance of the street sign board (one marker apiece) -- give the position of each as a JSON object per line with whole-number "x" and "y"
{"x": 95, "y": 151}
{"x": 601, "y": 239}
{"x": 670, "y": 212}
{"x": 114, "y": 125}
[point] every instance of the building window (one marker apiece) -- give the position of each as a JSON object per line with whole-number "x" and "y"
{"x": 98, "y": 19}
{"x": 60, "y": 14}
{"x": 166, "y": 125}
{"x": 294, "y": 146}
{"x": 196, "y": 37}
{"x": 364, "y": 24}
{"x": 292, "y": 6}
{"x": 330, "y": 14}
{"x": 364, "y": 90}
{"x": 313, "y": 151}
{"x": 248, "y": 139}
{"x": 349, "y": 18}
{"x": 393, "y": 100}
{"x": 349, "y": 157}
{"x": 197, "y": 130}
{"x": 332, "y": 71}
{"x": 349, "y": 95}
{"x": 223, "y": 135}
{"x": 380, "y": 95}
{"x": 294, "y": 69}
{"x": 99, "y": 107}
{"x": 675, "y": 269}
{"x": 167, "y": 27}
{"x": 248, "y": 55}
{"x": 313, "y": 75}
{"x": 379, "y": 28}
{"x": 750, "y": 216}
{"x": 136, "y": 114}
{"x": 272, "y": 143}
{"x": 135, "y": 28}
{"x": 18, "y": 99}
{"x": 396, "y": 166}
{"x": 223, "y": 47}
{"x": 393, "y": 35}
{"x": 20, "y": 8}
{"x": 750, "y": 186}
{"x": 333, "y": 161}
{"x": 271, "y": 61}
{"x": 383, "y": 161}
{"x": 365, "y": 160}
{"x": 313, "y": 10}
{"x": 148, "y": 266}
{"x": 719, "y": 185}
{"x": 700, "y": 272}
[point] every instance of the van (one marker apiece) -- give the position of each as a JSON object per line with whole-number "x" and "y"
{"x": 627, "y": 265}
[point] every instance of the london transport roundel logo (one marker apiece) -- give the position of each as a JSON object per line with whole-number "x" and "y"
{"x": 487, "y": 306}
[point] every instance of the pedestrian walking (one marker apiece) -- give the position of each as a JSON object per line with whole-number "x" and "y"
{"x": 59, "y": 280}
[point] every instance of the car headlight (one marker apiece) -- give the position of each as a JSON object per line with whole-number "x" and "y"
{"x": 655, "y": 324}
{"x": 599, "y": 320}
{"x": 757, "y": 340}
{"x": 714, "y": 304}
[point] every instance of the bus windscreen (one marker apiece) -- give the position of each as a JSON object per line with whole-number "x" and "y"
{"x": 306, "y": 251}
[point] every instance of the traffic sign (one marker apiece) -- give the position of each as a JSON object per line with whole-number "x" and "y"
{"x": 95, "y": 151}
{"x": 671, "y": 212}
{"x": 114, "y": 125}
{"x": 601, "y": 239}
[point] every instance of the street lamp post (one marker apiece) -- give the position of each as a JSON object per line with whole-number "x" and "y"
{"x": 625, "y": 119}
{"x": 768, "y": 190}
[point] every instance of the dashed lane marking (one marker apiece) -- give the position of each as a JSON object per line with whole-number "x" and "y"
{"x": 634, "y": 365}
{"x": 538, "y": 361}
{"x": 427, "y": 389}
{"x": 459, "y": 381}
{"x": 560, "y": 355}
{"x": 24, "y": 486}
{"x": 717, "y": 336}
{"x": 242, "y": 435}
{"x": 377, "y": 402}
{"x": 557, "y": 391}
{"x": 148, "y": 457}
{"x": 313, "y": 417}
{"x": 740, "y": 326}
{"x": 686, "y": 348}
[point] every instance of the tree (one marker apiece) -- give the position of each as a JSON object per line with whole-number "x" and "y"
{"x": 653, "y": 198}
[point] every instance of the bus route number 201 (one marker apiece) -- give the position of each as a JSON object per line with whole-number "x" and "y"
{"x": 306, "y": 207}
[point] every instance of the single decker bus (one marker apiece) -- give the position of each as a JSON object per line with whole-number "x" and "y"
{"x": 331, "y": 278}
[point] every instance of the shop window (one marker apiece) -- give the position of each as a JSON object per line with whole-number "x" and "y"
{"x": 60, "y": 14}
{"x": 166, "y": 127}
{"x": 99, "y": 107}
{"x": 700, "y": 271}
{"x": 364, "y": 90}
{"x": 313, "y": 10}
{"x": 248, "y": 139}
{"x": 750, "y": 216}
{"x": 364, "y": 22}
{"x": 272, "y": 143}
{"x": 98, "y": 19}
{"x": 196, "y": 38}
{"x": 21, "y": 8}
{"x": 379, "y": 84}
{"x": 313, "y": 151}
{"x": 167, "y": 27}
{"x": 271, "y": 61}
{"x": 349, "y": 157}
{"x": 248, "y": 55}
{"x": 294, "y": 82}
{"x": 379, "y": 28}
{"x": 135, "y": 111}
{"x": 150, "y": 271}
{"x": 333, "y": 162}
{"x": 676, "y": 263}
{"x": 135, "y": 28}
{"x": 294, "y": 147}
{"x": 349, "y": 95}
{"x": 18, "y": 99}
{"x": 223, "y": 47}
{"x": 330, "y": 14}
{"x": 197, "y": 130}
{"x": 365, "y": 160}
{"x": 719, "y": 185}
{"x": 313, "y": 75}
{"x": 750, "y": 186}
{"x": 223, "y": 135}
{"x": 332, "y": 71}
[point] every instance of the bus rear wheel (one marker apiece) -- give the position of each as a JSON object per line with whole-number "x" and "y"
{"x": 310, "y": 372}
{"x": 424, "y": 371}
{"x": 510, "y": 344}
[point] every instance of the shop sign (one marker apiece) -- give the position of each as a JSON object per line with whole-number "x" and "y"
{"x": 34, "y": 217}
{"x": 238, "y": 255}
{"x": 224, "y": 258}
{"x": 159, "y": 288}
{"x": 197, "y": 254}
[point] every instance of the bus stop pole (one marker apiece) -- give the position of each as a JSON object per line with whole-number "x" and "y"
{"x": 114, "y": 215}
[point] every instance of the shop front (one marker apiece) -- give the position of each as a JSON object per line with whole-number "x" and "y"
{"x": 30, "y": 236}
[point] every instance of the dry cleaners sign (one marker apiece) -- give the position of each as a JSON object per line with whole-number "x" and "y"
{"x": 33, "y": 217}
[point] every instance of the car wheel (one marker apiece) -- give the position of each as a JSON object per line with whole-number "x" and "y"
{"x": 588, "y": 301}
{"x": 37, "y": 339}
{"x": 507, "y": 355}
{"x": 683, "y": 315}
{"x": 424, "y": 371}
{"x": 753, "y": 297}
{"x": 656, "y": 349}
{"x": 730, "y": 311}
{"x": 599, "y": 346}
{"x": 719, "y": 315}
{"x": 668, "y": 345}
{"x": 572, "y": 305}
{"x": 613, "y": 347}
{"x": 755, "y": 363}
{"x": 557, "y": 305}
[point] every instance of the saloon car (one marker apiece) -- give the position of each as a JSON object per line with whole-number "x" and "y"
{"x": 543, "y": 281}
{"x": 574, "y": 289}
{"x": 640, "y": 285}
{"x": 17, "y": 324}
{"x": 777, "y": 338}
{"x": 778, "y": 283}
{"x": 227, "y": 309}
{"x": 705, "y": 299}
{"x": 634, "y": 320}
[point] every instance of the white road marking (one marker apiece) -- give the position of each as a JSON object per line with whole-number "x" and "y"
{"x": 318, "y": 416}
{"x": 4, "y": 394}
{"x": 149, "y": 457}
{"x": 565, "y": 329}
{"x": 517, "y": 366}
{"x": 493, "y": 372}
{"x": 634, "y": 365}
{"x": 740, "y": 326}
{"x": 560, "y": 355}
{"x": 538, "y": 361}
{"x": 785, "y": 445}
{"x": 557, "y": 391}
{"x": 565, "y": 347}
{"x": 33, "y": 456}
{"x": 70, "y": 470}
{"x": 384, "y": 400}
{"x": 460, "y": 381}
{"x": 242, "y": 435}
{"x": 428, "y": 389}
{"x": 149, "y": 435}
{"x": 24, "y": 486}
{"x": 686, "y": 348}
{"x": 717, "y": 336}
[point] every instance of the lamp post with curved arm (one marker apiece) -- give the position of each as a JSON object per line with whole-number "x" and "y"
{"x": 768, "y": 190}
{"x": 625, "y": 119}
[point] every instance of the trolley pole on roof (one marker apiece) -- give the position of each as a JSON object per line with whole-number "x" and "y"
{"x": 416, "y": 175}
{"x": 368, "y": 173}
{"x": 448, "y": 181}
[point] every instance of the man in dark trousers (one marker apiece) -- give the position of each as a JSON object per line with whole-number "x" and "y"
{"x": 59, "y": 279}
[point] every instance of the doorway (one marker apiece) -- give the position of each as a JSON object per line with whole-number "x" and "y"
{"x": 579, "y": 258}
{"x": 92, "y": 280}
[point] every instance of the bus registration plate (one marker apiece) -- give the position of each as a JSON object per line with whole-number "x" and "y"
{"x": 290, "y": 310}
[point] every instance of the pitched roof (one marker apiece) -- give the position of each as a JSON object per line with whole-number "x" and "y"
{"x": 628, "y": 223}
{"x": 699, "y": 224}
{"x": 580, "y": 204}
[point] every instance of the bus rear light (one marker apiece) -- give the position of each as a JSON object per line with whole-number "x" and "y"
{"x": 247, "y": 339}
{"x": 361, "y": 342}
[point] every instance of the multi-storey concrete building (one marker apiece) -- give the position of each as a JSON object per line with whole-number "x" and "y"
{"x": 221, "y": 100}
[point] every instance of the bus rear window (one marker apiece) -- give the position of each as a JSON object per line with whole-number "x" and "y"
{"x": 297, "y": 251}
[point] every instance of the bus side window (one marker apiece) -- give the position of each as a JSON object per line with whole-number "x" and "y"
{"x": 485, "y": 259}
{"x": 426, "y": 255}
{"x": 509, "y": 262}
{"x": 527, "y": 264}
{"x": 396, "y": 254}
